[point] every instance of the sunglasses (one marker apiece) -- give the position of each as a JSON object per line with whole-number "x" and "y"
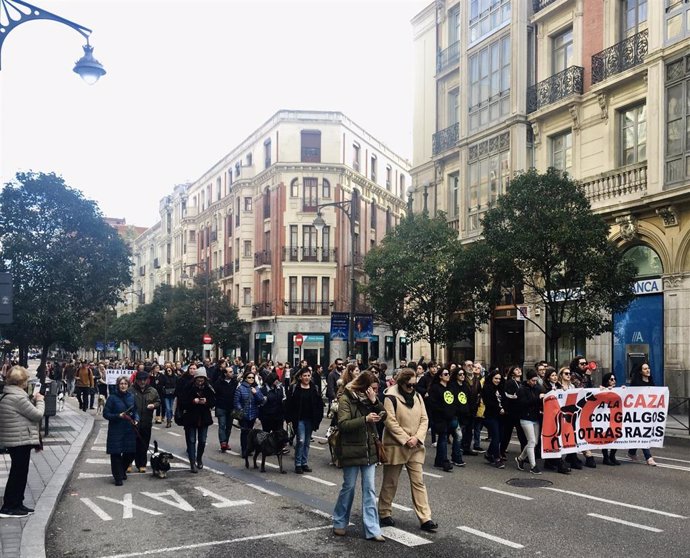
{"x": 566, "y": 373}
{"x": 445, "y": 373}
{"x": 582, "y": 363}
{"x": 411, "y": 384}
{"x": 250, "y": 377}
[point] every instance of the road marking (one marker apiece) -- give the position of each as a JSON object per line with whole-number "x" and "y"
{"x": 622, "y": 504}
{"x": 186, "y": 460}
{"x": 218, "y": 543}
{"x": 624, "y": 522}
{"x": 400, "y": 507}
{"x": 156, "y": 427}
{"x": 175, "y": 434}
{"x": 319, "y": 437}
{"x": 317, "y": 479}
{"x": 100, "y": 512}
{"x": 432, "y": 475}
{"x": 660, "y": 465}
{"x": 234, "y": 453}
{"x": 322, "y": 513}
{"x": 403, "y": 537}
{"x": 317, "y": 448}
{"x": 520, "y": 496}
{"x": 93, "y": 476}
{"x": 98, "y": 461}
{"x": 262, "y": 489}
{"x": 494, "y": 538}
{"x": 98, "y": 448}
{"x": 222, "y": 501}
{"x": 177, "y": 501}
{"x": 128, "y": 507}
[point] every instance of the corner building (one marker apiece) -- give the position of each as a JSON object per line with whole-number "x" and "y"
{"x": 599, "y": 88}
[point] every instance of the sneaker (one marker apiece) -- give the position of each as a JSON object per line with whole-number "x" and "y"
{"x": 459, "y": 463}
{"x": 339, "y": 532}
{"x": 118, "y": 482}
{"x": 224, "y": 447}
{"x": 535, "y": 470}
{"x": 299, "y": 470}
{"x": 577, "y": 465}
{"x": 13, "y": 513}
{"x": 306, "y": 468}
{"x": 129, "y": 469}
{"x": 447, "y": 467}
{"x": 469, "y": 452}
{"x": 25, "y": 509}
{"x": 478, "y": 448}
{"x": 433, "y": 444}
{"x": 387, "y": 522}
{"x": 520, "y": 463}
{"x": 589, "y": 462}
{"x": 377, "y": 538}
{"x": 651, "y": 462}
{"x": 429, "y": 526}
{"x": 499, "y": 464}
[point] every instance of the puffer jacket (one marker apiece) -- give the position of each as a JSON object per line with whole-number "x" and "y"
{"x": 402, "y": 423}
{"x": 121, "y": 435}
{"x": 142, "y": 399}
{"x": 245, "y": 400}
{"x": 19, "y": 418}
{"x": 358, "y": 437}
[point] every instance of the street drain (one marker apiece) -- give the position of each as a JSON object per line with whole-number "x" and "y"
{"x": 529, "y": 483}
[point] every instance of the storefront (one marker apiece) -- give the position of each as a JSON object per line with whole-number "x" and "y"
{"x": 315, "y": 348}
{"x": 263, "y": 346}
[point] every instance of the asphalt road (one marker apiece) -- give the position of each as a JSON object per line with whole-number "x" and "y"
{"x": 632, "y": 510}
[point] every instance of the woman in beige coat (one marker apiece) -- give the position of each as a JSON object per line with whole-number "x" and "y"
{"x": 403, "y": 438}
{"x": 19, "y": 423}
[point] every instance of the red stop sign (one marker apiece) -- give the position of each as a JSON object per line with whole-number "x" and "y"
{"x": 299, "y": 339}
{"x": 207, "y": 339}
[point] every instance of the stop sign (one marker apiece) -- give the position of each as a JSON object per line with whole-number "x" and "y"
{"x": 207, "y": 339}
{"x": 299, "y": 339}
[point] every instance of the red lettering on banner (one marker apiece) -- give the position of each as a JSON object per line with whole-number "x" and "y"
{"x": 644, "y": 401}
{"x": 597, "y": 436}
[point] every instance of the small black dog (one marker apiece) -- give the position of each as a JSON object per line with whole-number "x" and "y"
{"x": 266, "y": 443}
{"x": 160, "y": 461}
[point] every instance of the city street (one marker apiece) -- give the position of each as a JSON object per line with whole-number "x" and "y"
{"x": 225, "y": 510}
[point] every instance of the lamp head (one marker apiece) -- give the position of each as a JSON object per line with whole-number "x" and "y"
{"x": 88, "y": 67}
{"x": 319, "y": 223}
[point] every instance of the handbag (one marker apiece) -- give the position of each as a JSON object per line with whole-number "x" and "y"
{"x": 335, "y": 446}
{"x": 237, "y": 414}
{"x": 381, "y": 452}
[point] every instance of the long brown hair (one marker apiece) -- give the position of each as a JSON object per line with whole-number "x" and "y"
{"x": 362, "y": 382}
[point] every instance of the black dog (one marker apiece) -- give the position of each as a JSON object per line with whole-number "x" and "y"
{"x": 266, "y": 443}
{"x": 160, "y": 461}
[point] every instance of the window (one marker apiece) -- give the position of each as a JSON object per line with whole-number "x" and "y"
{"x": 453, "y": 107}
{"x": 678, "y": 120}
{"x": 309, "y": 294}
{"x": 488, "y": 176}
{"x": 192, "y": 236}
{"x": 454, "y": 189}
{"x": 487, "y": 16}
{"x": 325, "y": 289}
{"x": 562, "y": 51}
{"x": 309, "y": 242}
{"x": 372, "y": 223}
{"x": 402, "y": 185}
{"x": 294, "y": 188}
{"x": 292, "y": 289}
{"x": 453, "y": 25}
{"x": 248, "y": 204}
{"x": 326, "y": 189}
{"x": 489, "y": 95}
{"x": 267, "y": 153}
{"x": 389, "y": 177}
{"x": 326, "y": 238}
{"x": 388, "y": 220}
{"x": 562, "y": 151}
{"x": 294, "y": 240}
{"x": 218, "y": 188}
{"x": 237, "y": 169}
{"x": 646, "y": 260}
{"x": 373, "y": 168}
{"x": 247, "y": 296}
{"x": 247, "y": 253}
{"x": 633, "y": 126}
{"x": 267, "y": 240}
{"x": 677, "y": 20}
{"x": 311, "y": 194}
{"x": 267, "y": 203}
{"x": 633, "y": 17}
{"x": 355, "y": 156}
{"x": 230, "y": 176}
{"x": 248, "y": 157}
{"x": 311, "y": 146}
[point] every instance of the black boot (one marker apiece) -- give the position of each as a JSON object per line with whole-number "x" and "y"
{"x": 612, "y": 458}
{"x": 563, "y": 468}
{"x": 606, "y": 460}
{"x": 199, "y": 455}
{"x": 589, "y": 462}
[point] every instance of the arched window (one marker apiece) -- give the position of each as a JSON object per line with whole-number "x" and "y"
{"x": 294, "y": 188}
{"x": 326, "y": 189}
{"x": 647, "y": 261}
{"x": 267, "y": 203}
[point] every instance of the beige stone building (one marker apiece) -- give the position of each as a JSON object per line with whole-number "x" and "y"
{"x": 249, "y": 221}
{"x": 600, "y": 88}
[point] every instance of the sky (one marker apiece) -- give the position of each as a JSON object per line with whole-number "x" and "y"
{"x": 187, "y": 81}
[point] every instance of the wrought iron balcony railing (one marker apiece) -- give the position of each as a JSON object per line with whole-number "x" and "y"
{"x": 308, "y": 254}
{"x": 262, "y": 309}
{"x": 445, "y": 139}
{"x": 262, "y": 258}
{"x": 631, "y": 179}
{"x": 620, "y": 57}
{"x": 448, "y": 57}
{"x": 557, "y": 87}
{"x": 308, "y": 307}
{"x": 311, "y": 154}
{"x": 538, "y": 5}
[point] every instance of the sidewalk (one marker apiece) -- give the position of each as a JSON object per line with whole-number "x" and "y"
{"x": 48, "y": 474}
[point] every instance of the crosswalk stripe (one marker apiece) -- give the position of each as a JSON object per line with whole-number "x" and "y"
{"x": 400, "y": 507}
{"x": 317, "y": 479}
{"x": 494, "y": 538}
{"x": 403, "y": 537}
{"x": 262, "y": 489}
{"x": 628, "y": 523}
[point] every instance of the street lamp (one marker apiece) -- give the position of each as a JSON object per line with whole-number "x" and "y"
{"x": 15, "y": 12}
{"x": 348, "y": 208}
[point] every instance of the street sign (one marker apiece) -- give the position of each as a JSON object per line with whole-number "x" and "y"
{"x": 207, "y": 339}
{"x": 299, "y": 339}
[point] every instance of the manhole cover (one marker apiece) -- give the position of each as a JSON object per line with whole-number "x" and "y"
{"x": 529, "y": 483}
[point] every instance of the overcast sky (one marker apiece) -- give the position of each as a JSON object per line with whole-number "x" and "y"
{"x": 189, "y": 80}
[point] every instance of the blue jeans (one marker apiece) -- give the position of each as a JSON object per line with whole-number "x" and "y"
{"x": 477, "y": 427}
{"x": 647, "y": 454}
{"x": 196, "y": 442}
{"x": 456, "y": 450}
{"x": 168, "y": 402}
{"x": 442, "y": 445}
{"x": 304, "y": 430}
{"x": 246, "y": 426}
{"x": 343, "y": 506}
{"x": 493, "y": 425}
{"x": 224, "y": 425}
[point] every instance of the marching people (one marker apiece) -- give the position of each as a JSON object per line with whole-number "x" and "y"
{"x": 441, "y": 406}
{"x": 225, "y": 388}
{"x": 248, "y": 399}
{"x": 608, "y": 381}
{"x": 406, "y": 425}
{"x": 642, "y": 377}
{"x": 358, "y": 412}
{"x": 551, "y": 383}
{"x": 167, "y": 385}
{"x": 20, "y": 420}
{"x": 332, "y": 381}
{"x": 304, "y": 409}
{"x": 529, "y": 408}
{"x": 492, "y": 396}
{"x": 463, "y": 416}
{"x": 272, "y": 412}
{"x": 196, "y": 401}
{"x": 84, "y": 383}
{"x": 146, "y": 400}
{"x": 511, "y": 418}
{"x": 121, "y": 414}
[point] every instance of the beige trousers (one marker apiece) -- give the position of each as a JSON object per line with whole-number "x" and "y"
{"x": 420, "y": 500}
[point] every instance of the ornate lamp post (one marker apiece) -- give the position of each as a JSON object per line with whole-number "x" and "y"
{"x": 15, "y": 12}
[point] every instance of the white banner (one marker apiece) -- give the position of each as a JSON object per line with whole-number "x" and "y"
{"x": 112, "y": 374}
{"x": 589, "y": 419}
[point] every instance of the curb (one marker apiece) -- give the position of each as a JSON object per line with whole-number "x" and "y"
{"x": 34, "y": 532}
{"x": 677, "y": 440}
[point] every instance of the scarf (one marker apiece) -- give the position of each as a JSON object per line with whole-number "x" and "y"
{"x": 409, "y": 398}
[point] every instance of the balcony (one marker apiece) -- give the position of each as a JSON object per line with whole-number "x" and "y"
{"x": 558, "y": 86}
{"x": 631, "y": 179}
{"x": 308, "y": 254}
{"x": 308, "y": 308}
{"x": 311, "y": 154}
{"x": 228, "y": 270}
{"x": 262, "y": 258}
{"x": 262, "y": 309}
{"x": 620, "y": 57}
{"x": 445, "y": 139}
{"x": 448, "y": 57}
{"x": 538, "y": 5}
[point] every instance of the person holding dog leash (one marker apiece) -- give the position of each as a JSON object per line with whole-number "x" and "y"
{"x": 245, "y": 408}
{"x": 122, "y": 418}
{"x": 146, "y": 401}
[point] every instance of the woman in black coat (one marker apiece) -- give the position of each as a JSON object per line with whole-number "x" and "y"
{"x": 196, "y": 400}
{"x": 272, "y": 412}
{"x": 642, "y": 377}
{"x": 304, "y": 410}
{"x": 121, "y": 414}
{"x": 493, "y": 396}
{"x": 441, "y": 404}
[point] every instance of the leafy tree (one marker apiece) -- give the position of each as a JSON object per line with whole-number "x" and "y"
{"x": 66, "y": 261}
{"x": 543, "y": 235}
{"x": 98, "y": 327}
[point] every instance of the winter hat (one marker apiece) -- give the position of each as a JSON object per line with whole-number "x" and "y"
{"x": 200, "y": 374}
{"x": 142, "y": 375}
{"x": 531, "y": 374}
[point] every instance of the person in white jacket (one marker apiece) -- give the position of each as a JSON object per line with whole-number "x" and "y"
{"x": 20, "y": 419}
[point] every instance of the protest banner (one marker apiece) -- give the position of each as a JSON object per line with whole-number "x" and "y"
{"x": 112, "y": 374}
{"x": 620, "y": 418}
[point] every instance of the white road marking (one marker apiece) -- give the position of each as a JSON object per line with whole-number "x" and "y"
{"x": 319, "y": 437}
{"x": 403, "y": 537}
{"x": 98, "y": 461}
{"x": 218, "y": 543}
{"x": 622, "y": 504}
{"x": 400, "y": 507}
{"x": 624, "y": 522}
{"x": 234, "y": 453}
{"x": 128, "y": 507}
{"x": 262, "y": 489}
{"x": 156, "y": 427}
{"x": 93, "y": 476}
{"x": 322, "y": 513}
{"x": 317, "y": 479}
{"x": 660, "y": 465}
{"x": 432, "y": 475}
{"x": 186, "y": 460}
{"x": 317, "y": 448}
{"x": 222, "y": 501}
{"x": 520, "y": 496}
{"x": 100, "y": 512}
{"x": 494, "y": 538}
{"x": 175, "y": 434}
{"x": 98, "y": 448}
{"x": 174, "y": 500}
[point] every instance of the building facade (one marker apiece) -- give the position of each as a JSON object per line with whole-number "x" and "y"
{"x": 249, "y": 222}
{"x": 599, "y": 88}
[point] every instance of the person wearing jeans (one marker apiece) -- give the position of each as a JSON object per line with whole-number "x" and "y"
{"x": 492, "y": 395}
{"x": 642, "y": 377}
{"x": 197, "y": 399}
{"x": 304, "y": 410}
{"x": 248, "y": 398}
{"x": 529, "y": 397}
{"x": 225, "y": 387}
